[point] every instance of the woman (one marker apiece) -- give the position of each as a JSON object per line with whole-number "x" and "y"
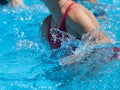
{"x": 14, "y": 3}
{"x": 72, "y": 18}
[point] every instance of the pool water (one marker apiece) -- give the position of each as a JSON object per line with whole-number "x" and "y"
{"x": 26, "y": 61}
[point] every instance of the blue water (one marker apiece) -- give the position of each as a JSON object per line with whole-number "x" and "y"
{"x": 25, "y": 56}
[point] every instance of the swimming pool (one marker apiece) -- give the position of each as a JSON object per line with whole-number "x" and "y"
{"x": 25, "y": 62}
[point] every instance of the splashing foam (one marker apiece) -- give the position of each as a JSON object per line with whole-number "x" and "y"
{"x": 26, "y": 44}
{"x": 85, "y": 48}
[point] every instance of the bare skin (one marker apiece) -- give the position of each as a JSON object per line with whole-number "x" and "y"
{"x": 79, "y": 19}
{"x": 16, "y": 3}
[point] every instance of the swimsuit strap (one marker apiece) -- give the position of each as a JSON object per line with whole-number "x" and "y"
{"x": 63, "y": 21}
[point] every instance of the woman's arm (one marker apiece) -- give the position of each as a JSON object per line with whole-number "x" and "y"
{"x": 86, "y": 19}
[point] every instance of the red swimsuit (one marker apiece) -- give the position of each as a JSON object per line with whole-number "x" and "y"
{"x": 56, "y": 44}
